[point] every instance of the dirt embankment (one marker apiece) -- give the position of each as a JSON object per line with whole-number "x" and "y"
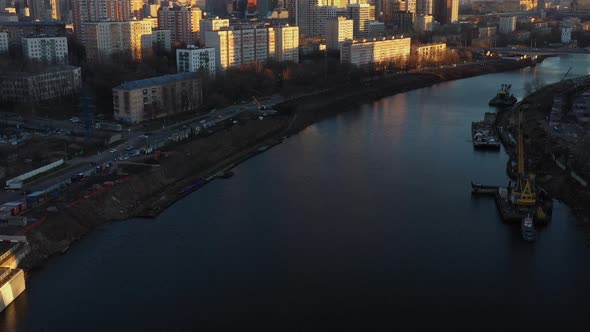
{"x": 544, "y": 144}
{"x": 149, "y": 188}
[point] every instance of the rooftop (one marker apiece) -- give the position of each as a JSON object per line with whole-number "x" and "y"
{"x": 31, "y": 23}
{"x": 37, "y": 71}
{"x": 155, "y": 81}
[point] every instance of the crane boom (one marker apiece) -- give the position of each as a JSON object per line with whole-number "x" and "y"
{"x": 525, "y": 192}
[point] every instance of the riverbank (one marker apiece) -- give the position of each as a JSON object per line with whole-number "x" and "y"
{"x": 158, "y": 183}
{"x": 555, "y": 156}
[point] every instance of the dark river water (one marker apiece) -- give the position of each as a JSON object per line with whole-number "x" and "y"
{"x": 361, "y": 221}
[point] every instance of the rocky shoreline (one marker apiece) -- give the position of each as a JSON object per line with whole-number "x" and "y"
{"x": 151, "y": 188}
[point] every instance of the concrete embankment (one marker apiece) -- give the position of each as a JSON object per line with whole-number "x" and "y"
{"x": 148, "y": 190}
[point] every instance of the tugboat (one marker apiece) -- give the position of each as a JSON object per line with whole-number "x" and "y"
{"x": 527, "y": 228}
{"x": 503, "y": 98}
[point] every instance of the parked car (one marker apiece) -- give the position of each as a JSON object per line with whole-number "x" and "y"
{"x": 113, "y": 150}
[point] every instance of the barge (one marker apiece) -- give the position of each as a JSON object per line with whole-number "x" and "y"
{"x": 484, "y": 134}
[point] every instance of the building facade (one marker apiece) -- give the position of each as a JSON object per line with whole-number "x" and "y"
{"x": 49, "y": 50}
{"x": 106, "y": 40}
{"x": 446, "y": 11}
{"x": 423, "y": 23}
{"x": 183, "y": 23}
{"x": 211, "y": 24}
{"x": 381, "y": 51}
{"x": 18, "y": 30}
{"x": 360, "y": 15}
{"x": 339, "y": 30}
{"x": 241, "y": 45}
{"x": 375, "y": 29}
{"x": 51, "y": 83}
{"x": 156, "y": 97}
{"x": 429, "y": 53}
{"x": 86, "y": 11}
{"x": 287, "y": 43}
{"x": 507, "y": 24}
{"x": 193, "y": 59}
{"x": 3, "y": 42}
{"x": 162, "y": 40}
{"x": 44, "y": 10}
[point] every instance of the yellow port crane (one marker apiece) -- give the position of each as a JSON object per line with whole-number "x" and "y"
{"x": 524, "y": 193}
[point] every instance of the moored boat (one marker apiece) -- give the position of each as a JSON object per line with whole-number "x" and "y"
{"x": 503, "y": 97}
{"x": 527, "y": 228}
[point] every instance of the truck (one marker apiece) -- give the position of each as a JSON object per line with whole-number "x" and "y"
{"x": 14, "y": 184}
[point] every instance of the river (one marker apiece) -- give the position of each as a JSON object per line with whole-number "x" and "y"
{"x": 362, "y": 220}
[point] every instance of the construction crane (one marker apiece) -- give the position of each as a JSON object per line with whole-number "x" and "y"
{"x": 524, "y": 193}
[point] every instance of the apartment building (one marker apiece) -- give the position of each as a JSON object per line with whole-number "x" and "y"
{"x": 183, "y": 23}
{"x": 157, "y": 97}
{"x": 49, "y": 50}
{"x": 193, "y": 59}
{"x": 30, "y": 87}
{"x": 241, "y": 45}
{"x": 378, "y": 51}
{"x": 105, "y": 40}
{"x": 287, "y": 43}
{"x": 211, "y": 24}
{"x": 339, "y": 29}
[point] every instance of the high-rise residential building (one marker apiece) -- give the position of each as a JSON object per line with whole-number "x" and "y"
{"x": 44, "y": 10}
{"x": 129, "y": 9}
{"x": 425, "y": 7}
{"x": 161, "y": 40}
{"x": 193, "y": 59}
{"x": 411, "y": 6}
{"x": 49, "y": 83}
{"x": 241, "y": 45}
{"x": 49, "y": 50}
{"x": 375, "y": 29}
{"x": 107, "y": 40}
{"x": 210, "y": 24}
{"x": 423, "y": 23}
{"x": 403, "y": 21}
{"x": 150, "y": 10}
{"x": 183, "y": 22}
{"x": 339, "y": 30}
{"x": 85, "y": 11}
{"x": 305, "y": 12}
{"x": 323, "y": 14}
{"x": 507, "y": 24}
{"x": 157, "y": 97}
{"x": 380, "y": 51}
{"x": 446, "y": 11}
{"x": 3, "y": 42}
{"x": 287, "y": 43}
{"x": 389, "y": 8}
{"x": 359, "y": 13}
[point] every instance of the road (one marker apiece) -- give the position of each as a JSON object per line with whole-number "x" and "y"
{"x": 138, "y": 140}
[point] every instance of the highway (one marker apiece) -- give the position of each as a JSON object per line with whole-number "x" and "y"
{"x": 137, "y": 139}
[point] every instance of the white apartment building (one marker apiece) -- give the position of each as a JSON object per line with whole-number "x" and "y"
{"x": 156, "y": 97}
{"x": 241, "y": 45}
{"x": 360, "y": 14}
{"x": 107, "y": 39}
{"x": 3, "y": 42}
{"x": 339, "y": 30}
{"x": 507, "y": 24}
{"x": 211, "y": 24}
{"x": 380, "y": 51}
{"x": 287, "y": 43}
{"x": 49, "y": 50}
{"x": 161, "y": 39}
{"x": 423, "y": 23}
{"x": 193, "y": 59}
